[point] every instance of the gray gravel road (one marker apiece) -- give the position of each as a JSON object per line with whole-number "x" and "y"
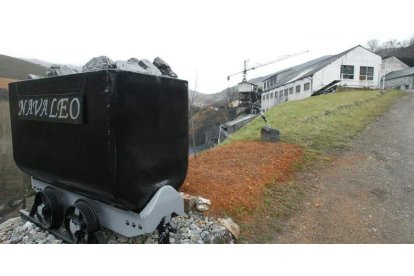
{"x": 366, "y": 195}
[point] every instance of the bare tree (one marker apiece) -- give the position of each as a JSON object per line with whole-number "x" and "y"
{"x": 391, "y": 44}
{"x": 373, "y": 44}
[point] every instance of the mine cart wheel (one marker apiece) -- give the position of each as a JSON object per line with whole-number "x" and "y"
{"x": 47, "y": 209}
{"x": 164, "y": 231}
{"x": 81, "y": 222}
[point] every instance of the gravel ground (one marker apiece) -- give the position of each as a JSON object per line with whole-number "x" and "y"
{"x": 366, "y": 194}
{"x": 192, "y": 228}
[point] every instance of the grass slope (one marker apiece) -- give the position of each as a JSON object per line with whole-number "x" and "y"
{"x": 322, "y": 123}
{"x": 15, "y": 68}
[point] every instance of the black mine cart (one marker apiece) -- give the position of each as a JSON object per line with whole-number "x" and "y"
{"x": 105, "y": 149}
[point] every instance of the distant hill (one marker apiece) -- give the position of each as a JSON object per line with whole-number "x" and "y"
{"x": 408, "y": 61}
{"x": 405, "y": 54}
{"x": 221, "y": 98}
{"x": 38, "y": 61}
{"x": 48, "y": 64}
{"x": 15, "y": 68}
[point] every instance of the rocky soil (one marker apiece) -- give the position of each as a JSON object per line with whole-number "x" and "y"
{"x": 233, "y": 177}
{"x": 192, "y": 228}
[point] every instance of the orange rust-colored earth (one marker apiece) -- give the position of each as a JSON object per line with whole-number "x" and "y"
{"x": 4, "y": 82}
{"x": 233, "y": 176}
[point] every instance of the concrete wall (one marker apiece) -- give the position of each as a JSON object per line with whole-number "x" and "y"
{"x": 357, "y": 58}
{"x": 392, "y": 64}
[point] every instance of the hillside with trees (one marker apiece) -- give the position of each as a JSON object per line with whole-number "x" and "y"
{"x": 14, "y": 68}
{"x": 403, "y": 50}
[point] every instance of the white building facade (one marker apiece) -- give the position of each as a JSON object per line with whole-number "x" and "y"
{"x": 357, "y": 67}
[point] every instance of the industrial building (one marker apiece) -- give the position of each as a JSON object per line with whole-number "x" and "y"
{"x": 402, "y": 79}
{"x": 357, "y": 67}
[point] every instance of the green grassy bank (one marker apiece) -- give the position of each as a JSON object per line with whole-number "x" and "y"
{"x": 322, "y": 123}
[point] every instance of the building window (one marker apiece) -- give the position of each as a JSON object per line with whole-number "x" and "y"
{"x": 280, "y": 93}
{"x": 297, "y": 88}
{"x": 286, "y": 92}
{"x": 306, "y": 86}
{"x": 271, "y": 96}
{"x": 366, "y": 73}
{"x": 291, "y": 90}
{"x": 347, "y": 72}
{"x": 267, "y": 96}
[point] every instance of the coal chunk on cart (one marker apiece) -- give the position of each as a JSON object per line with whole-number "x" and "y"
{"x": 99, "y": 63}
{"x": 58, "y": 70}
{"x": 164, "y": 67}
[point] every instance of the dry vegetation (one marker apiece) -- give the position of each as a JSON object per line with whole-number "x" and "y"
{"x": 4, "y": 82}
{"x": 11, "y": 178}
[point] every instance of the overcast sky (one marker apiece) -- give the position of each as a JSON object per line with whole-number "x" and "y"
{"x": 209, "y": 39}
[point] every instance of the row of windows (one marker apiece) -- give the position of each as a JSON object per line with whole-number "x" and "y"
{"x": 347, "y": 72}
{"x": 287, "y": 91}
{"x": 270, "y": 82}
{"x": 365, "y": 72}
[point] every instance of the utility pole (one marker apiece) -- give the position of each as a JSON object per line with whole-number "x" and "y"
{"x": 383, "y": 79}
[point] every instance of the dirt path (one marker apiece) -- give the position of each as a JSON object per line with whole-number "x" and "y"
{"x": 365, "y": 195}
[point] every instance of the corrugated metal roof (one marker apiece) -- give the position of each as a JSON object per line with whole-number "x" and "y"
{"x": 240, "y": 119}
{"x": 248, "y": 83}
{"x": 304, "y": 70}
{"x": 400, "y": 73}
